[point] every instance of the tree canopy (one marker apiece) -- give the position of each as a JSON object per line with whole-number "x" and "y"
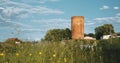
{"x": 58, "y": 34}
{"x": 105, "y": 29}
{"x": 90, "y": 35}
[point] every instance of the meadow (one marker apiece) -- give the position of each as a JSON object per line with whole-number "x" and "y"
{"x": 68, "y": 51}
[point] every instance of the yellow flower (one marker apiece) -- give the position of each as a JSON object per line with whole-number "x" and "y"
{"x": 65, "y": 60}
{"x": 17, "y": 54}
{"x": 54, "y": 55}
{"x": 40, "y": 53}
{"x": 1, "y": 54}
{"x": 30, "y": 54}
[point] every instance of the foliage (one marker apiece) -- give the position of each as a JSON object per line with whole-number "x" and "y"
{"x": 90, "y": 35}
{"x": 58, "y": 35}
{"x": 11, "y": 41}
{"x": 111, "y": 50}
{"x": 118, "y": 33}
{"x": 69, "y": 51}
{"x": 105, "y": 29}
{"x": 53, "y": 52}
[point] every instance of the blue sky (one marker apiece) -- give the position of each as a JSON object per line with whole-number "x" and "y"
{"x": 30, "y": 19}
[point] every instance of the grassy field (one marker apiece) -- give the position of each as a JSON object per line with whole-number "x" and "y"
{"x": 78, "y": 51}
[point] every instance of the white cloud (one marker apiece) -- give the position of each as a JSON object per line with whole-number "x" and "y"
{"x": 113, "y": 19}
{"x": 8, "y": 11}
{"x": 55, "y": 20}
{"x": 19, "y": 24}
{"x": 108, "y": 19}
{"x": 99, "y": 19}
{"x": 44, "y": 10}
{"x": 2, "y": 19}
{"x": 32, "y": 29}
{"x": 39, "y": 1}
{"x": 105, "y": 7}
{"x": 53, "y": 0}
{"x": 23, "y": 16}
{"x": 88, "y": 24}
{"x": 9, "y": 23}
{"x": 118, "y": 14}
{"x": 47, "y": 24}
{"x": 13, "y": 11}
{"x": 116, "y": 8}
{"x": 10, "y": 8}
{"x": 44, "y": 1}
{"x": 1, "y": 8}
{"x": 104, "y": 19}
{"x": 30, "y": 9}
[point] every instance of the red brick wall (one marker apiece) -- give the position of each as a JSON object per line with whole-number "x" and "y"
{"x": 77, "y": 26}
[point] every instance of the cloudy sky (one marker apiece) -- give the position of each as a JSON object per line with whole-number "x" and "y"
{"x": 30, "y": 19}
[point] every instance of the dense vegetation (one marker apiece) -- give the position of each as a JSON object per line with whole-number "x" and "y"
{"x": 58, "y": 35}
{"x": 68, "y": 51}
{"x": 65, "y": 34}
{"x": 105, "y": 29}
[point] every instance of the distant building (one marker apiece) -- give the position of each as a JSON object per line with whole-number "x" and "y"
{"x": 109, "y": 36}
{"x": 106, "y": 36}
{"x": 15, "y": 40}
{"x": 77, "y": 27}
{"x": 91, "y": 38}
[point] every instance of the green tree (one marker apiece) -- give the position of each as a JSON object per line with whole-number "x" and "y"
{"x": 12, "y": 41}
{"x": 90, "y": 35}
{"x": 67, "y": 34}
{"x": 58, "y": 34}
{"x": 118, "y": 33}
{"x": 105, "y": 29}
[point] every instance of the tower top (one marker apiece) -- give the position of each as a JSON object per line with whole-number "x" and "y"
{"x": 77, "y": 17}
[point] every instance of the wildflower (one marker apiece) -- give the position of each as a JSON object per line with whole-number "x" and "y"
{"x": 54, "y": 55}
{"x": 17, "y": 54}
{"x": 1, "y": 54}
{"x": 40, "y": 53}
{"x": 30, "y": 54}
{"x": 65, "y": 60}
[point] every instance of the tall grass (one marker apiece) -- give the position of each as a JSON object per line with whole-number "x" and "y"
{"x": 52, "y": 52}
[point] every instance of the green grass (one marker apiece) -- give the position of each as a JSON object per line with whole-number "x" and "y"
{"x": 52, "y": 52}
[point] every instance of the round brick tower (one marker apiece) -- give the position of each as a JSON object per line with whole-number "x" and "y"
{"x": 77, "y": 27}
